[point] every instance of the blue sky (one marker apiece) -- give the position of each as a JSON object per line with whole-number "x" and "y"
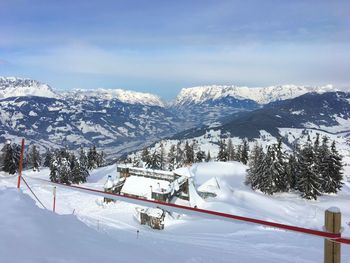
{"x": 163, "y": 46}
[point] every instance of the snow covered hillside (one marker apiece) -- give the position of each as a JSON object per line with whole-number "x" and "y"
{"x": 30, "y": 234}
{"x": 110, "y": 124}
{"x": 209, "y": 142}
{"x": 112, "y": 230}
{"x": 261, "y": 95}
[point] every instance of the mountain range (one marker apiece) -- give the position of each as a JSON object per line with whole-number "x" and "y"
{"x": 328, "y": 112}
{"x": 118, "y": 120}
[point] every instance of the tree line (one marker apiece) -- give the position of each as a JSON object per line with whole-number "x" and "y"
{"x": 65, "y": 166}
{"x": 188, "y": 152}
{"x": 10, "y": 157}
{"x": 312, "y": 169}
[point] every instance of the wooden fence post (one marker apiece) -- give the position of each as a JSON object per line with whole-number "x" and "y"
{"x": 332, "y": 225}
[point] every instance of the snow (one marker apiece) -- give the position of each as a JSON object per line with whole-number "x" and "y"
{"x": 297, "y": 112}
{"x": 142, "y": 186}
{"x": 32, "y": 113}
{"x": 260, "y": 95}
{"x": 343, "y": 125}
{"x": 30, "y": 234}
{"x": 231, "y": 172}
{"x": 210, "y": 186}
{"x": 19, "y": 87}
{"x": 154, "y": 212}
{"x": 109, "y": 183}
{"x": 108, "y": 232}
{"x": 334, "y": 209}
{"x": 126, "y": 96}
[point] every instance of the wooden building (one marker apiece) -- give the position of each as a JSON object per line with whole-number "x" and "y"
{"x": 153, "y": 217}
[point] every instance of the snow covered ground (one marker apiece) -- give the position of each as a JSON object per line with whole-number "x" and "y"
{"x": 86, "y": 230}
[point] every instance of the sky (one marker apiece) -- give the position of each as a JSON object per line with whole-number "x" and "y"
{"x": 163, "y": 46}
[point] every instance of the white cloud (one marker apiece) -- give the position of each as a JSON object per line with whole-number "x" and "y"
{"x": 257, "y": 64}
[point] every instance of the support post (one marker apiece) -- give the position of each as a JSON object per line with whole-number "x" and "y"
{"x": 20, "y": 165}
{"x": 332, "y": 225}
{"x": 54, "y": 199}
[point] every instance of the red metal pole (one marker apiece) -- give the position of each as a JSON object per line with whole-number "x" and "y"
{"x": 20, "y": 165}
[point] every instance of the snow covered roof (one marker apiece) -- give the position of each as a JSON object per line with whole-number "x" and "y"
{"x": 109, "y": 183}
{"x": 183, "y": 171}
{"x": 151, "y": 170}
{"x": 154, "y": 212}
{"x": 141, "y": 186}
{"x": 210, "y": 186}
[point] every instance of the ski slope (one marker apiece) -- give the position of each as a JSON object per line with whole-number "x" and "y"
{"x": 86, "y": 230}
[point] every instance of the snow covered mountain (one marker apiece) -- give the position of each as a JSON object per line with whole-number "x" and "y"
{"x": 111, "y": 124}
{"x": 329, "y": 112}
{"x": 119, "y": 121}
{"x": 126, "y": 96}
{"x": 261, "y": 95}
{"x": 19, "y": 87}
{"x": 293, "y": 120}
{"x": 205, "y": 104}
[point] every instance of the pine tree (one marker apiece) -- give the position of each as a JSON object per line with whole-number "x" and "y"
{"x": 180, "y": 159}
{"x": 66, "y": 168}
{"x": 189, "y": 153}
{"x": 309, "y": 182}
{"x": 200, "y": 156}
{"x": 74, "y": 176}
{"x": 54, "y": 176}
{"x": 266, "y": 176}
{"x": 208, "y": 157}
{"x": 292, "y": 171}
{"x": 92, "y": 158}
{"x": 332, "y": 170}
{"x": 222, "y": 154}
{"x": 48, "y": 157}
{"x": 100, "y": 159}
{"x": 162, "y": 156}
{"x": 172, "y": 157}
{"x": 11, "y": 156}
{"x": 255, "y": 161}
{"x": 78, "y": 173}
{"x": 245, "y": 152}
{"x": 283, "y": 176}
{"x": 34, "y": 158}
{"x": 136, "y": 162}
{"x": 154, "y": 162}
{"x": 145, "y": 155}
{"x": 83, "y": 162}
{"x": 317, "y": 155}
{"x": 238, "y": 153}
{"x": 230, "y": 150}
{"x": 64, "y": 171}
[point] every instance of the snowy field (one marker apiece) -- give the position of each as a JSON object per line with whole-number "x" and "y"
{"x": 86, "y": 230}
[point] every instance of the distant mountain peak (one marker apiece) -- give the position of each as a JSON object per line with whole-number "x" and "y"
{"x": 261, "y": 95}
{"x": 126, "y": 96}
{"x": 20, "y": 87}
